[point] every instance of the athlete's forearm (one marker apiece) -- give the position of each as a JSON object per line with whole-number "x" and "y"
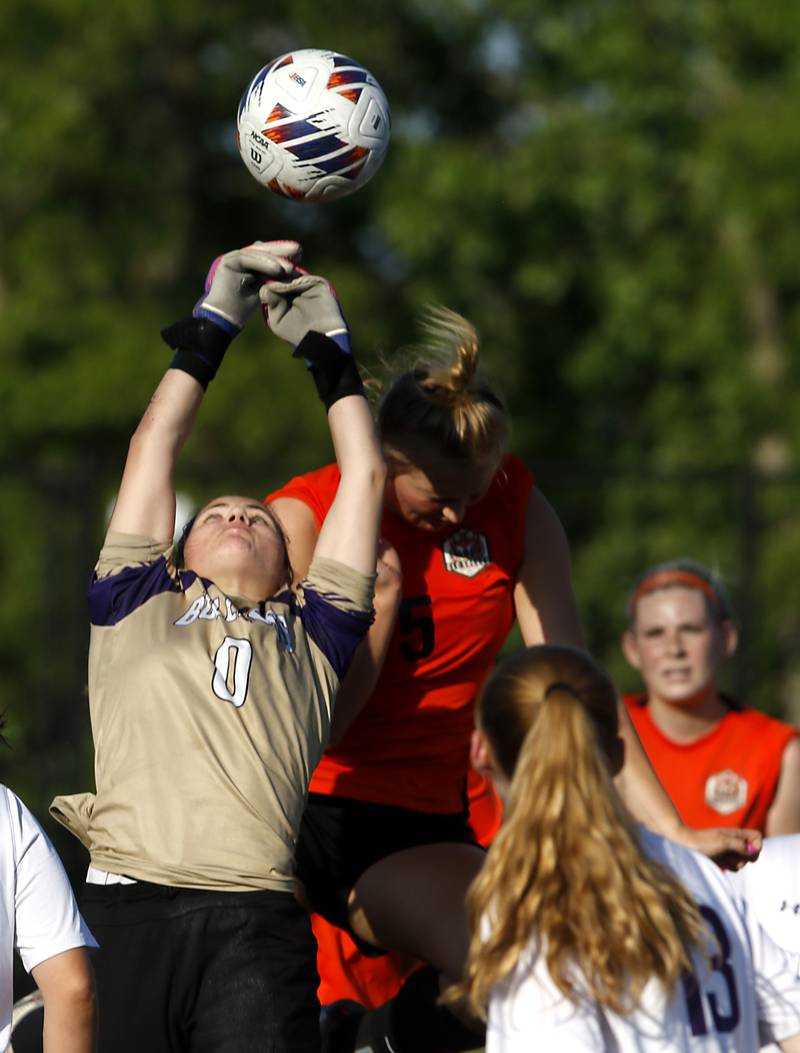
{"x": 366, "y": 666}
{"x": 146, "y": 500}
{"x": 350, "y": 530}
{"x": 641, "y": 788}
{"x": 70, "y": 1010}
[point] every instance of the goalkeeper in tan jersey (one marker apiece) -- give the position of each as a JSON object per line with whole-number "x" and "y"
{"x": 211, "y": 685}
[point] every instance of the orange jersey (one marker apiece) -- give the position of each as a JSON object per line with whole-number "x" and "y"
{"x": 409, "y": 746}
{"x": 728, "y": 777}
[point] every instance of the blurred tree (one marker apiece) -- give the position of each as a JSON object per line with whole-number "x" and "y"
{"x": 605, "y": 189}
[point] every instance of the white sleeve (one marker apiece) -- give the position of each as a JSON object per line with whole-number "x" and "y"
{"x": 527, "y": 1011}
{"x": 771, "y": 887}
{"x": 47, "y": 918}
{"x": 777, "y": 983}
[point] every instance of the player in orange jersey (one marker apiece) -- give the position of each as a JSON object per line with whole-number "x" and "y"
{"x": 721, "y": 762}
{"x": 385, "y": 849}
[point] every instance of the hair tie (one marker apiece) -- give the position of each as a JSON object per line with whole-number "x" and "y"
{"x": 560, "y": 685}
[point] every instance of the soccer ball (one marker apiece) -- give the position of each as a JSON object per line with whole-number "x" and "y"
{"x": 313, "y": 125}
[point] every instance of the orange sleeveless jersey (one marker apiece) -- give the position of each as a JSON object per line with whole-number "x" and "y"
{"x": 409, "y": 746}
{"x": 726, "y": 778}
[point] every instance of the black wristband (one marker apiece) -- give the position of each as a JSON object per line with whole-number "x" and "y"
{"x": 200, "y": 346}
{"x": 334, "y": 371}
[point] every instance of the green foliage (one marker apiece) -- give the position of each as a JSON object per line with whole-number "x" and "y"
{"x": 607, "y": 190}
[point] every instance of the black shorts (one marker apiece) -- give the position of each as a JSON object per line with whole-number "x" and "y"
{"x": 212, "y": 972}
{"x": 340, "y": 838}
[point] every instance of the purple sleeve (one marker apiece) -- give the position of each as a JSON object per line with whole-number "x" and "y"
{"x": 336, "y": 632}
{"x": 115, "y": 596}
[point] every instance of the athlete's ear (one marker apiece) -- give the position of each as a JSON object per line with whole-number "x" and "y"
{"x": 480, "y": 755}
{"x": 482, "y": 759}
{"x": 630, "y": 648}
{"x": 730, "y": 636}
{"x": 616, "y": 757}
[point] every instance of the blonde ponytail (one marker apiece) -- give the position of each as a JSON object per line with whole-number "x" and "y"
{"x": 444, "y": 404}
{"x": 567, "y": 873}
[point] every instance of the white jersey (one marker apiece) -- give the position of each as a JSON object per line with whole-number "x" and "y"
{"x": 771, "y": 887}
{"x": 748, "y": 987}
{"x": 39, "y": 914}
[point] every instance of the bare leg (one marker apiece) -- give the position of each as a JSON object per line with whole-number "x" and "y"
{"x": 414, "y": 902}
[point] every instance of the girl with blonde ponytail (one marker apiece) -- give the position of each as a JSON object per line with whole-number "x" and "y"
{"x": 588, "y": 931}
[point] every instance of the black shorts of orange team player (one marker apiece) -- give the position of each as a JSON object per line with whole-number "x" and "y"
{"x": 340, "y": 838}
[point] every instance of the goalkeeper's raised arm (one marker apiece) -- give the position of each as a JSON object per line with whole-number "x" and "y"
{"x": 306, "y": 313}
{"x": 146, "y": 501}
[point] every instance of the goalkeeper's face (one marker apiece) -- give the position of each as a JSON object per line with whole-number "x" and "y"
{"x": 238, "y": 543}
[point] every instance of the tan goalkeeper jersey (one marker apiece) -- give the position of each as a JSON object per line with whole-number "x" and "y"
{"x": 208, "y": 717}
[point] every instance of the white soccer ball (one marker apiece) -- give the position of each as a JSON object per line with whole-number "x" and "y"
{"x": 313, "y": 125}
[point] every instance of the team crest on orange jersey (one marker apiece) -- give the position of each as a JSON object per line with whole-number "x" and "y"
{"x": 726, "y": 791}
{"x": 466, "y": 552}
